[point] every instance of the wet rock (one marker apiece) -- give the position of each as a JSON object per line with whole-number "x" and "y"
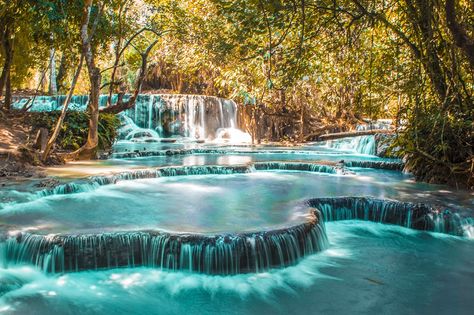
{"x": 48, "y": 183}
{"x": 384, "y": 145}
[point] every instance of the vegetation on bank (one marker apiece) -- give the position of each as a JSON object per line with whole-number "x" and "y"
{"x": 74, "y": 130}
{"x": 298, "y": 67}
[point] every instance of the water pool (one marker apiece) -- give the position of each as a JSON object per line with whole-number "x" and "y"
{"x": 369, "y": 268}
{"x": 366, "y": 267}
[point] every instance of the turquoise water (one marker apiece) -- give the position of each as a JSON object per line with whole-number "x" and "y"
{"x": 367, "y": 268}
{"x": 210, "y": 203}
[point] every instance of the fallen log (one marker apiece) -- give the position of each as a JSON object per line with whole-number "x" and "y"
{"x": 339, "y": 135}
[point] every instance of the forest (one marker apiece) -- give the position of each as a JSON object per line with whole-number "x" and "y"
{"x": 297, "y": 69}
{"x": 236, "y": 157}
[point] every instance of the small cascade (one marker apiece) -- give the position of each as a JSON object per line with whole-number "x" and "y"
{"x": 69, "y": 188}
{"x": 131, "y": 132}
{"x": 360, "y": 144}
{"x": 382, "y": 165}
{"x": 365, "y": 145}
{"x": 53, "y": 103}
{"x": 211, "y": 254}
{"x": 288, "y": 166}
{"x": 97, "y": 181}
{"x": 411, "y": 215}
{"x": 204, "y": 170}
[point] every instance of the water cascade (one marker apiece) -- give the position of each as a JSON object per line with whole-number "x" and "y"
{"x": 360, "y": 144}
{"x": 96, "y": 181}
{"x": 387, "y": 164}
{"x": 162, "y": 116}
{"x": 54, "y": 103}
{"x": 191, "y": 116}
{"x": 381, "y": 165}
{"x": 309, "y": 167}
{"x": 221, "y": 253}
{"x": 417, "y": 216}
{"x": 211, "y": 254}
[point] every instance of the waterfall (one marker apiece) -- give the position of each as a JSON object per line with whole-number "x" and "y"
{"x": 382, "y": 165}
{"x": 359, "y": 144}
{"x": 289, "y": 166}
{"x": 365, "y": 145}
{"x": 130, "y": 131}
{"x": 96, "y": 181}
{"x": 191, "y": 116}
{"x": 162, "y": 115}
{"x": 54, "y": 103}
{"x": 211, "y": 254}
{"x": 223, "y": 254}
{"x": 411, "y": 215}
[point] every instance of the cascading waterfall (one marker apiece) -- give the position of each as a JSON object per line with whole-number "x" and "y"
{"x": 387, "y": 164}
{"x": 53, "y": 103}
{"x": 192, "y": 116}
{"x": 417, "y": 216}
{"x": 360, "y": 144}
{"x": 382, "y": 165}
{"x": 365, "y": 145}
{"x": 130, "y": 131}
{"x": 162, "y": 115}
{"x": 222, "y": 254}
{"x": 212, "y": 254}
{"x": 97, "y": 181}
{"x": 310, "y": 167}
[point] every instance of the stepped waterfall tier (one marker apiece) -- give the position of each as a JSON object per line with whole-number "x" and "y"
{"x": 360, "y": 144}
{"x": 96, "y": 181}
{"x": 274, "y": 242}
{"x": 229, "y": 253}
{"x": 411, "y": 215}
{"x": 212, "y": 254}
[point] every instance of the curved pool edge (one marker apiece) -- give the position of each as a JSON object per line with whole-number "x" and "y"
{"x": 221, "y": 253}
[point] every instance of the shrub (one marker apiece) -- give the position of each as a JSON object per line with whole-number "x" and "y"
{"x": 75, "y": 127}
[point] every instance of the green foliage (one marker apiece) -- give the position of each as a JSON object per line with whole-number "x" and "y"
{"x": 74, "y": 129}
{"x": 336, "y": 61}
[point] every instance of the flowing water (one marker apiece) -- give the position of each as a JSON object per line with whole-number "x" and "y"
{"x": 369, "y": 268}
{"x": 184, "y": 227}
{"x": 157, "y": 116}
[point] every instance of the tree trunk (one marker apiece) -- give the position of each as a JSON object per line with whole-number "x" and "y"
{"x": 59, "y": 123}
{"x": 8, "y": 92}
{"x": 93, "y": 108}
{"x": 422, "y": 12}
{"x": 7, "y": 45}
{"x": 62, "y": 70}
{"x": 89, "y": 149}
{"x": 302, "y": 123}
{"x": 114, "y": 71}
{"x": 53, "y": 88}
{"x": 460, "y": 36}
